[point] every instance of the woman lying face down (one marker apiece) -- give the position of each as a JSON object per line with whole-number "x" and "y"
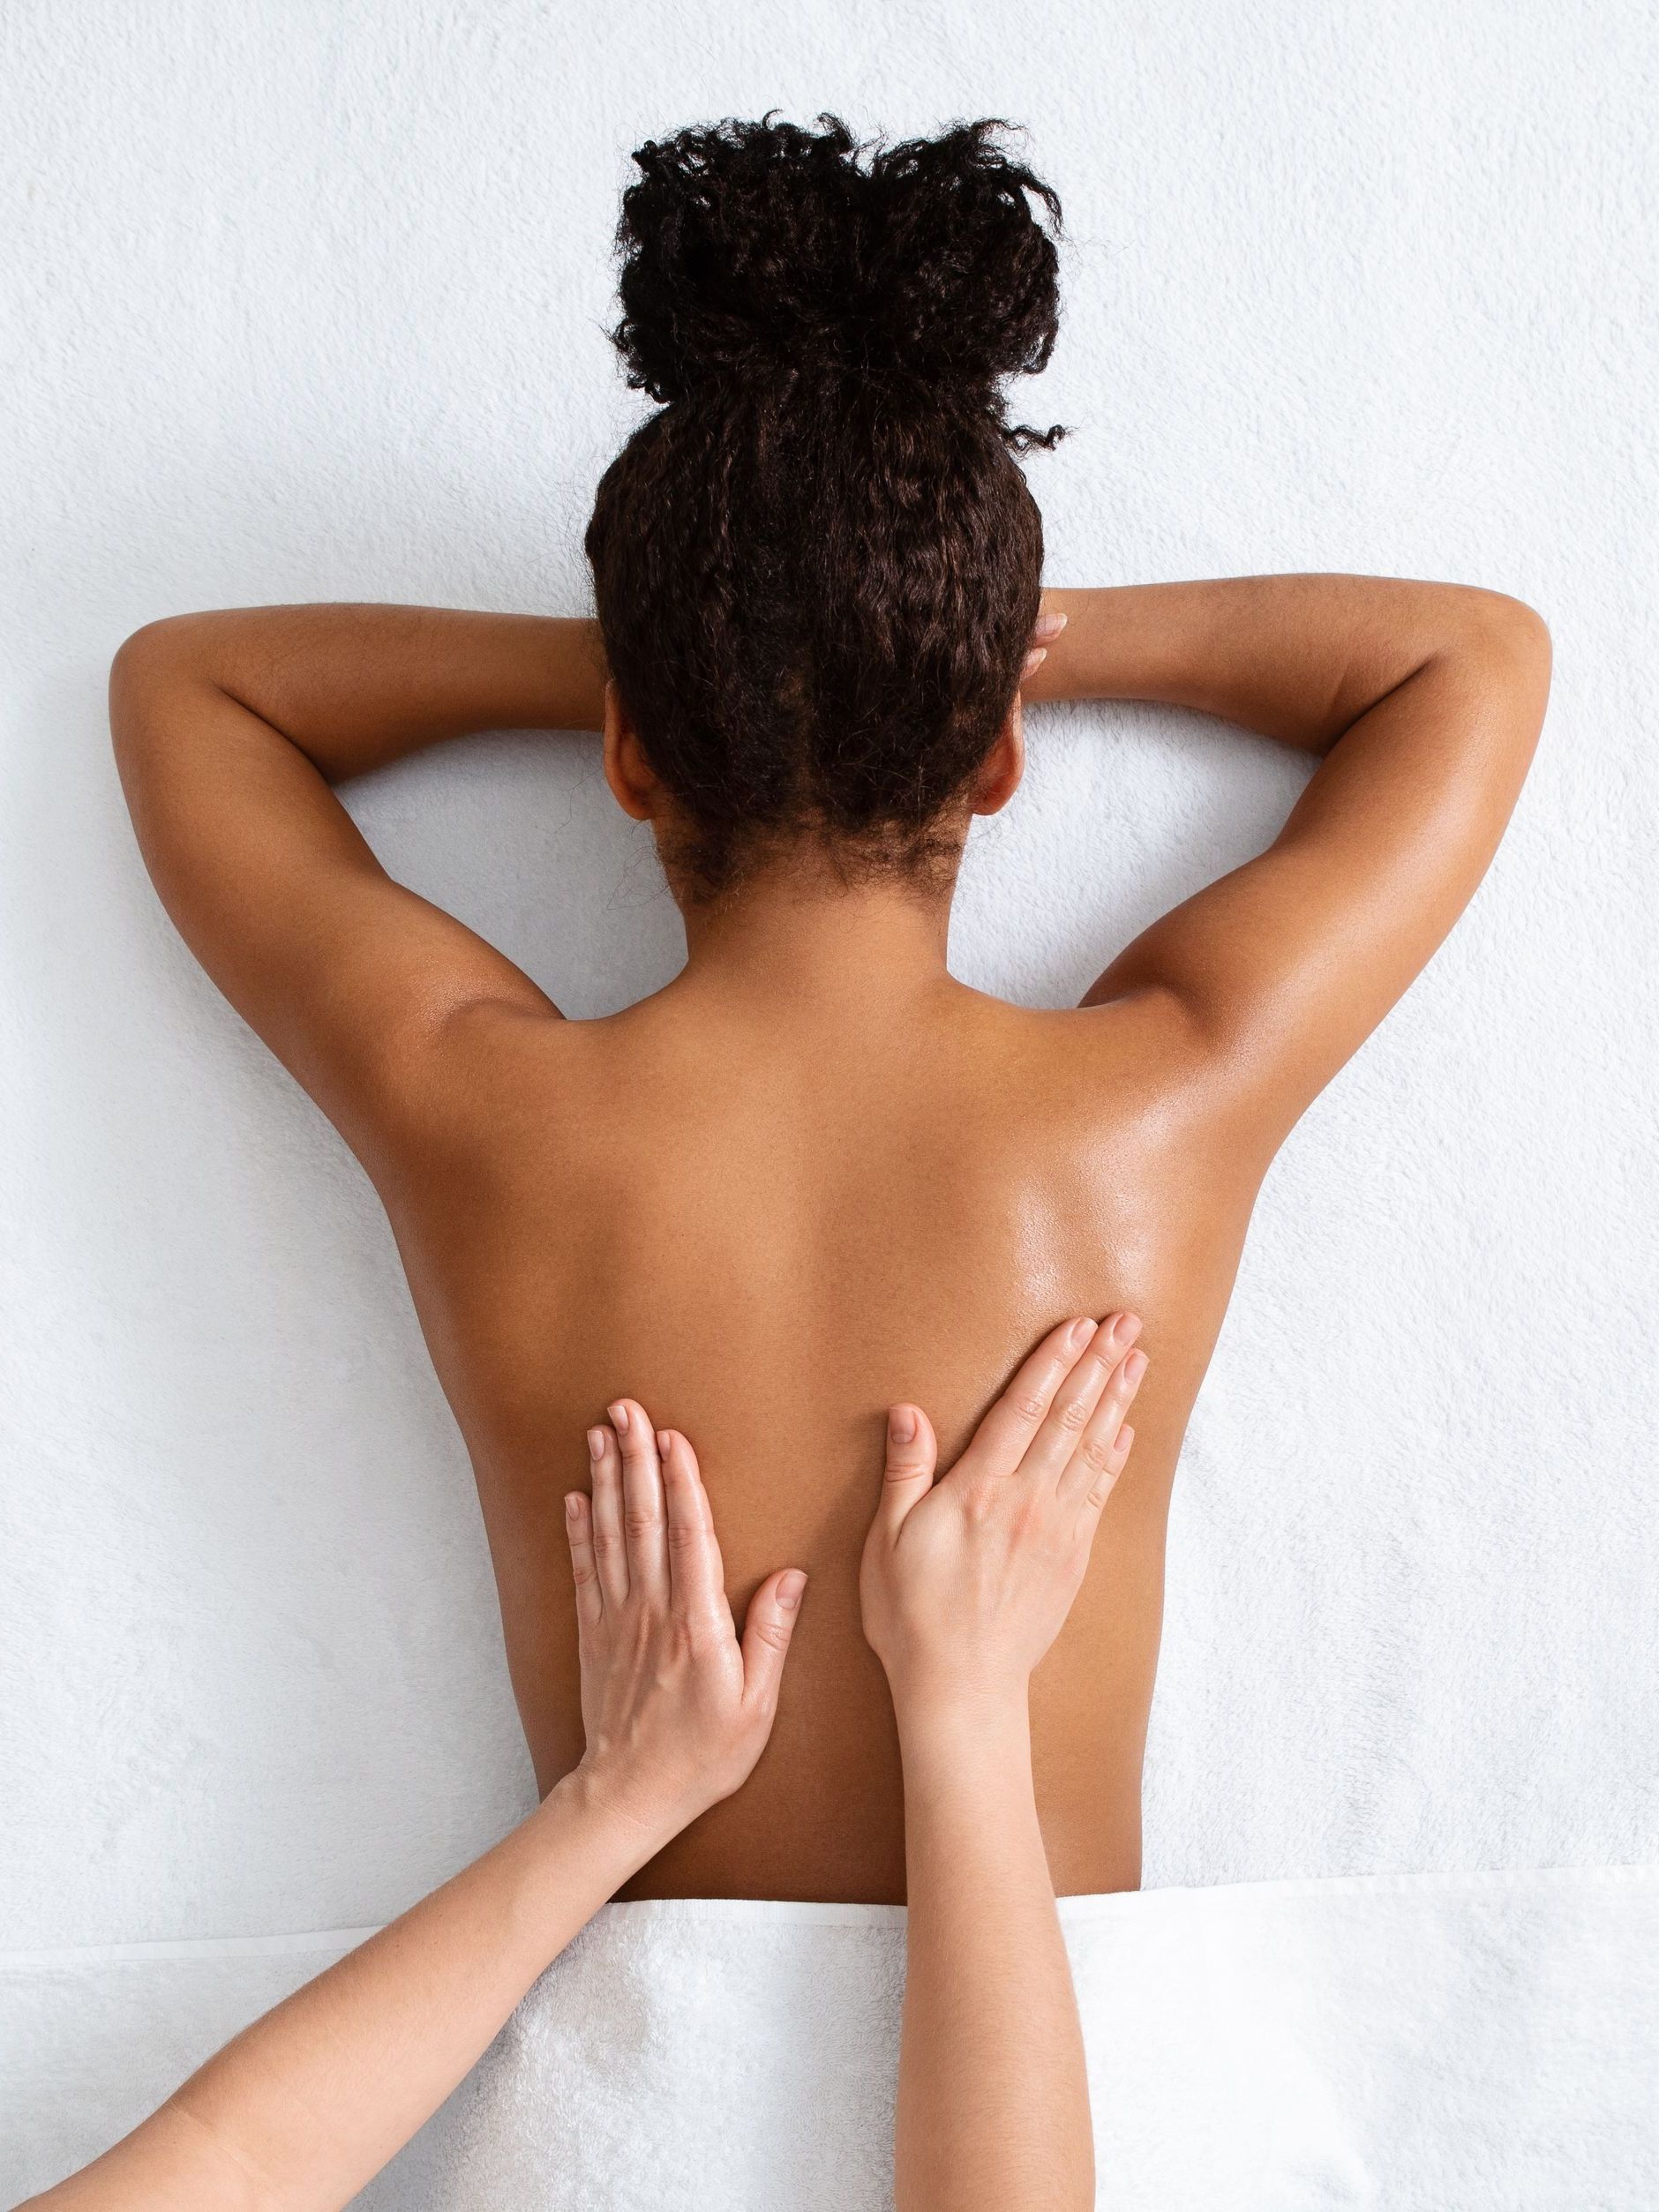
{"x": 824, "y": 1176}
{"x": 965, "y": 1581}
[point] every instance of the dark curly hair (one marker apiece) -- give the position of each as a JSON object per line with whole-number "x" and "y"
{"x": 816, "y": 568}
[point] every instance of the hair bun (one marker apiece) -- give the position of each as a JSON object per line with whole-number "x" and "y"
{"x": 752, "y": 248}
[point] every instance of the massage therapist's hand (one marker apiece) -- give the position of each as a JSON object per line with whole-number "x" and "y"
{"x": 676, "y": 1710}
{"x": 966, "y": 1581}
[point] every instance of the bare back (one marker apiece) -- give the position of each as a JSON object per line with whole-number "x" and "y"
{"x": 757, "y": 1225}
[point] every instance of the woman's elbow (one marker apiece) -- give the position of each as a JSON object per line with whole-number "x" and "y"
{"x": 143, "y": 666}
{"x": 152, "y": 646}
{"x": 1497, "y": 651}
{"x": 1508, "y": 629}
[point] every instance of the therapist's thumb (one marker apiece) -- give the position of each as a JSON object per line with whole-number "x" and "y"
{"x": 912, "y": 1453}
{"x": 768, "y": 1627}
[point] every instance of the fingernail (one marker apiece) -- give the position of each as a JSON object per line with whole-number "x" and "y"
{"x": 662, "y": 1442}
{"x": 618, "y": 1413}
{"x": 1050, "y": 625}
{"x": 790, "y": 1588}
{"x": 1135, "y": 1367}
{"x": 901, "y": 1425}
{"x": 1125, "y": 1437}
{"x": 596, "y": 1445}
{"x": 1081, "y": 1331}
{"x": 1126, "y": 1328}
{"x": 573, "y": 1506}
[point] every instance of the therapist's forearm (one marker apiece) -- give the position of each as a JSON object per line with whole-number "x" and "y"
{"x": 354, "y": 685}
{"x": 993, "y": 2091}
{"x": 307, "y": 2105}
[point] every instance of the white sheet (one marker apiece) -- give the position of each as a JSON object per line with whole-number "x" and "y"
{"x": 1482, "y": 2043}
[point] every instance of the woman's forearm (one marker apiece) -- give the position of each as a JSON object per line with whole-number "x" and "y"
{"x": 355, "y": 686}
{"x": 1296, "y": 657}
{"x": 993, "y": 2092}
{"x": 306, "y": 2105}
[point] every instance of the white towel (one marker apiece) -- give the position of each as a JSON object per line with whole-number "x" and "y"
{"x": 1484, "y": 2043}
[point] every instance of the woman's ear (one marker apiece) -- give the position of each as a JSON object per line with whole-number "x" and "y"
{"x": 633, "y": 785}
{"x": 1003, "y": 765}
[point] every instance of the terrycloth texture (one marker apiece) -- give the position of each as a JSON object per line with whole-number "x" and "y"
{"x": 1475, "y": 2043}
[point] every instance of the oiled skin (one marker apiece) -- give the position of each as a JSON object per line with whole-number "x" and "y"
{"x": 816, "y": 1175}
{"x": 777, "y": 1238}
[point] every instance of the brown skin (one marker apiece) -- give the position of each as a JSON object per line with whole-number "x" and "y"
{"x": 815, "y": 1175}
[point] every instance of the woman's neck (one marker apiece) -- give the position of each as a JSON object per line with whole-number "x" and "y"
{"x": 796, "y": 938}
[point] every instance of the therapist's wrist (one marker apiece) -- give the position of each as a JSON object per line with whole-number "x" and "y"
{"x": 963, "y": 1727}
{"x": 624, "y": 1814}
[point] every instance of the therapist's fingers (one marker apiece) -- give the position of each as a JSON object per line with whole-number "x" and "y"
{"x": 912, "y": 1455}
{"x": 644, "y": 1520}
{"x": 610, "y": 1555}
{"x": 1055, "y": 1445}
{"x": 583, "y": 1572}
{"x": 1103, "y": 1448}
{"x": 1000, "y": 1440}
{"x": 768, "y": 1628}
{"x": 696, "y": 1574}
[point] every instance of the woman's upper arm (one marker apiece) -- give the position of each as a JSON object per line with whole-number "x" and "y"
{"x": 1283, "y": 968}
{"x": 344, "y": 974}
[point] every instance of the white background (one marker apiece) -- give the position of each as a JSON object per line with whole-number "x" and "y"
{"x": 309, "y": 302}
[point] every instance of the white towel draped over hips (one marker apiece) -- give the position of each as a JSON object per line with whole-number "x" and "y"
{"x": 1473, "y": 2043}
